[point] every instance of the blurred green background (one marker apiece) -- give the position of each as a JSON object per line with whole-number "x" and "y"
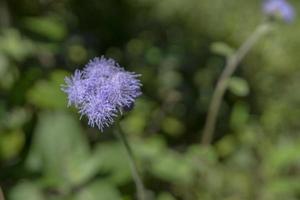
{"x": 180, "y": 48}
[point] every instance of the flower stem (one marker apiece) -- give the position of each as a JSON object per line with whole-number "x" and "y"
{"x": 141, "y": 195}
{"x": 231, "y": 65}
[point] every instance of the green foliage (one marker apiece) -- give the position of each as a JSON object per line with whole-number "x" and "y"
{"x": 113, "y": 161}
{"x": 13, "y": 45}
{"x": 47, "y": 27}
{"x": 26, "y": 190}
{"x": 100, "y": 190}
{"x": 222, "y": 49}
{"x": 180, "y": 48}
{"x": 69, "y": 168}
{"x": 46, "y": 93}
{"x": 11, "y": 143}
{"x": 238, "y": 86}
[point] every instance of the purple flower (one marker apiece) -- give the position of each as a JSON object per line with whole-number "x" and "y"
{"x": 102, "y": 90}
{"x": 279, "y": 8}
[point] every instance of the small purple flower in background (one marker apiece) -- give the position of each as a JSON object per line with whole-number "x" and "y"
{"x": 102, "y": 90}
{"x": 279, "y": 8}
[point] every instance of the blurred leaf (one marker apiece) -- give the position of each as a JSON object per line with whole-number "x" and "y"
{"x": 8, "y": 73}
{"x": 136, "y": 120}
{"x": 239, "y": 186}
{"x": 2, "y": 111}
{"x": 4, "y": 65}
{"x": 135, "y": 47}
{"x": 165, "y": 196}
{"x": 222, "y": 48}
{"x": 248, "y": 136}
{"x": 135, "y": 123}
{"x": 11, "y": 143}
{"x": 181, "y": 169}
{"x": 48, "y": 94}
{"x": 114, "y": 162}
{"x": 98, "y": 190}
{"x": 14, "y": 45}
{"x": 169, "y": 79}
{"x": 148, "y": 149}
{"x": 243, "y": 159}
{"x": 205, "y": 153}
{"x": 153, "y": 55}
{"x": 26, "y": 190}
{"x": 282, "y": 157}
{"x": 239, "y": 115}
{"x": 60, "y": 151}
{"x": 172, "y": 126}
{"x": 82, "y": 168}
{"x": 77, "y": 53}
{"x": 238, "y": 86}
{"x": 15, "y": 118}
{"x": 48, "y": 27}
{"x": 283, "y": 186}
{"x": 226, "y": 145}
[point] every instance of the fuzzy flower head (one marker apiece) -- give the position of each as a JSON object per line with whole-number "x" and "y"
{"x": 102, "y": 91}
{"x": 279, "y": 8}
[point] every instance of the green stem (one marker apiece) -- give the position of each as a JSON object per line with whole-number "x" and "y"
{"x": 231, "y": 65}
{"x": 141, "y": 195}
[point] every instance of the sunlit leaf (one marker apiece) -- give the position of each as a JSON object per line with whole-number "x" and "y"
{"x": 221, "y": 48}
{"x": 238, "y": 86}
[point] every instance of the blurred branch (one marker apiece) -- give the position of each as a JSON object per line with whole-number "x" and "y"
{"x": 232, "y": 64}
{"x": 133, "y": 166}
{"x": 1, "y": 194}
